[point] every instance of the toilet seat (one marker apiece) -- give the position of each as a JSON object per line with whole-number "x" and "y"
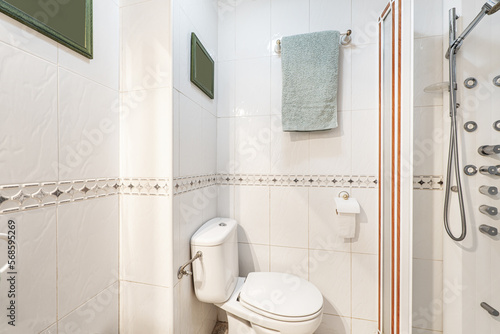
{"x": 256, "y": 316}
{"x": 281, "y": 297}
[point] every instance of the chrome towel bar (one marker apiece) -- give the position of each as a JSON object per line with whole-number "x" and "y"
{"x": 344, "y": 40}
{"x": 182, "y": 269}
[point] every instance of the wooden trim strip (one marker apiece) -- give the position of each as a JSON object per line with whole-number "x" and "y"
{"x": 380, "y": 274}
{"x": 393, "y": 168}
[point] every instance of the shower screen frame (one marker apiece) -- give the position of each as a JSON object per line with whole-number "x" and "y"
{"x": 395, "y": 167}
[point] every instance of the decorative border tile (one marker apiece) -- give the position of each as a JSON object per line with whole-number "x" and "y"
{"x": 22, "y": 197}
{"x": 37, "y": 195}
{"x": 428, "y": 182}
{"x": 190, "y": 183}
{"x": 144, "y": 186}
{"x": 332, "y": 181}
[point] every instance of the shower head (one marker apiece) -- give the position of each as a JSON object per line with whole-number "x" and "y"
{"x": 489, "y": 8}
{"x": 494, "y": 6}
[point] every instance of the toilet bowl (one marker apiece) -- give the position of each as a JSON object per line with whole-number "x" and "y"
{"x": 262, "y": 303}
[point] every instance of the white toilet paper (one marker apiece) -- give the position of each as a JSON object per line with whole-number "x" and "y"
{"x": 346, "y": 217}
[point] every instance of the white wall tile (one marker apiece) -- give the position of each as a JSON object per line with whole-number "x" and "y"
{"x": 226, "y": 89}
{"x": 276, "y": 85}
{"x": 293, "y": 261}
{"x": 225, "y": 145}
{"x": 322, "y": 221}
{"x": 365, "y": 14}
{"x": 345, "y": 86}
{"x": 24, "y": 38}
{"x": 146, "y": 143}
{"x": 365, "y": 286}
{"x": 428, "y": 18}
{"x": 203, "y": 15}
{"x": 226, "y": 201}
{"x": 210, "y": 202}
{"x": 176, "y": 133}
{"x": 36, "y": 267}
{"x": 145, "y": 308}
{"x": 191, "y": 206}
{"x": 365, "y": 140}
{"x": 428, "y": 55}
{"x": 190, "y": 137}
{"x": 88, "y": 129}
{"x": 252, "y": 87}
{"x": 253, "y": 145}
{"x": 226, "y": 31}
{"x": 209, "y": 142}
{"x": 366, "y": 240}
{"x": 145, "y": 51}
{"x": 289, "y": 150}
{"x": 252, "y": 214}
{"x": 253, "y": 258}
{"x": 98, "y": 315}
{"x": 330, "y": 15}
{"x": 146, "y": 240}
{"x": 429, "y": 140}
{"x": 428, "y": 294}
{"x": 334, "y": 324}
{"x": 365, "y": 77}
{"x": 331, "y": 273}
{"x": 28, "y": 131}
{"x": 289, "y": 217}
{"x": 428, "y": 225}
{"x": 105, "y": 66}
{"x": 87, "y": 250}
{"x": 289, "y": 17}
{"x": 364, "y": 327}
{"x": 331, "y": 151}
{"x": 253, "y": 28}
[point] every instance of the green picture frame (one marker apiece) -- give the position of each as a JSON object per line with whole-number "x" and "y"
{"x": 202, "y": 67}
{"x": 65, "y": 27}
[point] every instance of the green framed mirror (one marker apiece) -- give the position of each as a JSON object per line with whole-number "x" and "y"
{"x": 202, "y": 67}
{"x": 68, "y": 22}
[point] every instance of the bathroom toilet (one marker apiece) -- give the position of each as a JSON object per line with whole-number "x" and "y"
{"x": 262, "y": 303}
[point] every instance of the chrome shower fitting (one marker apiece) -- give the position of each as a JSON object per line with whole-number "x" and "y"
{"x": 487, "y": 190}
{"x": 468, "y": 170}
{"x": 488, "y": 210}
{"x": 489, "y": 170}
{"x": 489, "y": 150}
{"x": 470, "y": 83}
{"x": 470, "y": 126}
{"x": 489, "y": 230}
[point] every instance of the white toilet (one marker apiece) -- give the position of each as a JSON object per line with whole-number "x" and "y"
{"x": 263, "y": 303}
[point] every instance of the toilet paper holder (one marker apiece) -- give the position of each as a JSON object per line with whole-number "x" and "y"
{"x": 344, "y": 194}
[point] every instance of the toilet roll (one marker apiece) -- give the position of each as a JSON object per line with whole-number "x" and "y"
{"x": 346, "y": 217}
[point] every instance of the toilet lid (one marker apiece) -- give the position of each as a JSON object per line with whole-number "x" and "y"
{"x": 282, "y": 295}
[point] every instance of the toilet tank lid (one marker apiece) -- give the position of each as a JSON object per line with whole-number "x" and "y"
{"x": 214, "y": 232}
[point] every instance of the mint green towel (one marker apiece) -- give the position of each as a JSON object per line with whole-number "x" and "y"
{"x": 310, "y": 65}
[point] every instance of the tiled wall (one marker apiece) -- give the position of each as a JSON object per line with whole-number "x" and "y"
{"x": 430, "y": 151}
{"x": 146, "y": 278}
{"x": 60, "y": 124}
{"x": 289, "y": 225}
{"x": 195, "y": 156}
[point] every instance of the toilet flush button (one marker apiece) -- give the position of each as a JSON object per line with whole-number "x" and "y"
{"x": 222, "y": 224}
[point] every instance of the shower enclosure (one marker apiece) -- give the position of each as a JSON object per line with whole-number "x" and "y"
{"x": 456, "y": 255}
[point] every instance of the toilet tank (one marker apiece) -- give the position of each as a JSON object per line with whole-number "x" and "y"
{"x": 215, "y": 274}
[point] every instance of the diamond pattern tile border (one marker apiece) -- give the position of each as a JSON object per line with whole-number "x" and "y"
{"x": 428, "y": 182}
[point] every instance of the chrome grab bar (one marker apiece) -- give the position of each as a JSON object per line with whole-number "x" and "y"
{"x": 182, "y": 269}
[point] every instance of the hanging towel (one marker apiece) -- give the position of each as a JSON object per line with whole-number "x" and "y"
{"x": 310, "y": 80}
